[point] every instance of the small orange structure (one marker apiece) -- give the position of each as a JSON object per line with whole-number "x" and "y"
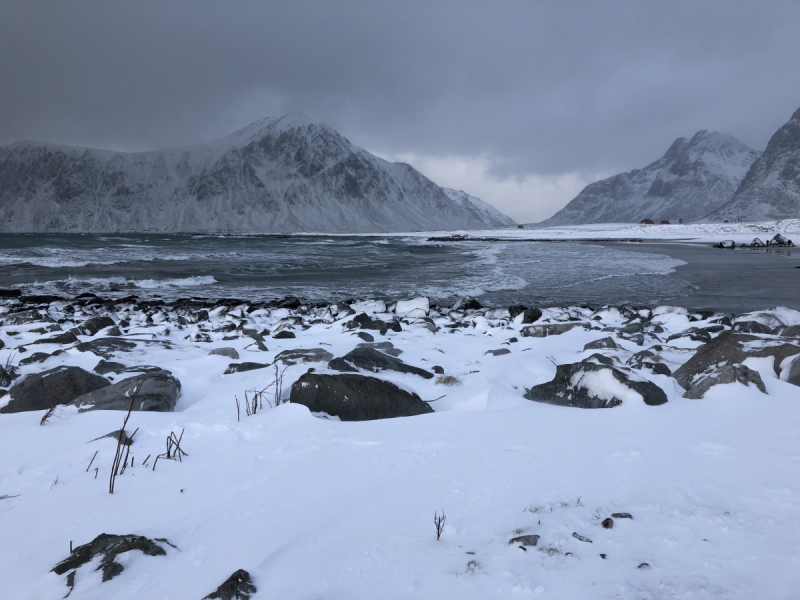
{"x": 647, "y": 222}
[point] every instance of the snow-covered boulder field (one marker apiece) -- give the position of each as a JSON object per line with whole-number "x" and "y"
{"x": 295, "y": 450}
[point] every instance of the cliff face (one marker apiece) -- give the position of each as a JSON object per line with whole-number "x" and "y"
{"x": 280, "y": 175}
{"x": 771, "y": 189}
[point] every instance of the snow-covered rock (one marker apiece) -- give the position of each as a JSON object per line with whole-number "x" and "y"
{"x": 283, "y": 175}
{"x": 416, "y": 307}
{"x": 692, "y": 179}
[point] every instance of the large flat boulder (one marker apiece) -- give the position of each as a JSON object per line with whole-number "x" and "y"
{"x": 591, "y": 384}
{"x": 722, "y": 375}
{"x": 26, "y": 316}
{"x": 299, "y": 356}
{"x": 61, "y": 385}
{"x": 159, "y": 393}
{"x": 95, "y": 324}
{"x": 733, "y": 348}
{"x": 356, "y": 397}
{"x": 370, "y": 359}
{"x": 547, "y": 329}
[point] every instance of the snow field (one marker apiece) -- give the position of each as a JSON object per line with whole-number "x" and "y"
{"x": 317, "y": 508}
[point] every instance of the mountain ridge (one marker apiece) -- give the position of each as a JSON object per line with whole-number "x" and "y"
{"x": 694, "y": 177}
{"x": 277, "y": 175}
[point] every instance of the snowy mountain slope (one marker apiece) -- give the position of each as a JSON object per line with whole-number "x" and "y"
{"x": 693, "y": 178}
{"x": 771, "y": 189}
{"x": 278, "y": 175}
{"x": 473, "y": 203}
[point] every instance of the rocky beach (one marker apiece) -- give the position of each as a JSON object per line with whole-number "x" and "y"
{"x": 475, "y": 410}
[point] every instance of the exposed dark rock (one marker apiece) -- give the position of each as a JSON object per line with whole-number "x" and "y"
{"x": 693, "y": 333}
{"x": 385, "y": 347}
{"x": 599, "y": 359}
{"x": 606, "y": 342}
{"x": 36, "y": 357}
{"x": 657, "y": 368}
{"x": 200, "y": 315}
{"x": 61, "y": 338}
{"x": 791, "y": 331}
{"x": 752, "y": 327}
{"x": 498, "y": 352}
{"x": 371, "y": 359}
{"x": 290, "y": 302}
{"x": 238, "y": 586}
{"x": 622, "y": 515}
{"x": 547, "y": 329}
{"x": 229, "y": 352}
{"x": 363, "y": 321}
{"x": 581, "y": 538}
{"x": 242, "y": 367}
{"x": 365, "y": 336}
{"x": 10, "y": 293}
{"x": 793, "y": 371}
{"x": 721, "y": 375}
{"x": 531, "y": 315}
{"x": 732, "y": 348}
{"x": 516, "y": 309}
{"x": 106, "y": 347}
{"x": 466, "y": 303}
{"x": 355, "y": 397}
{"x": 95, "y": 324}
{"x": 159, "y": 393}
{"x": 607, "y": 523}
{"x": 637, "y": 360}
{"x": 284, "y": 335}
{"x": 573, "y": 383}
{"x": 525, "y": 540}
{"x": 301, "y": 356}
{"x": 26, "y": 316}
{"x": 105, "y": 367}
{"x": 109, "y": 547}
{"x": 61, "y": 385}
{"x": 226, "y": 328}
{"x": 729, "y": 244}
{"x": 437, "y": 369}
{"x": 7, "y": 375}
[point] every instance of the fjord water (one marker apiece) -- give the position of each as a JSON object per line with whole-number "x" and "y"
{"x": 340, "y": 267}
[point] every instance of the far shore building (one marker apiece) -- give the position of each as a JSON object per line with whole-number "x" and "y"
{"x": 647, "y": 222}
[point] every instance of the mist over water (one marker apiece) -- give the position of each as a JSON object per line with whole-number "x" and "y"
{"x": 335, "y": 268}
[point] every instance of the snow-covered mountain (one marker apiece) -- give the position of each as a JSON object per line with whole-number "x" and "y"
{"x": 771, "y": 189}
{"x": 694, "y": 177}
{"x": 278, "y": 175}
{"x": 472, "y": 203}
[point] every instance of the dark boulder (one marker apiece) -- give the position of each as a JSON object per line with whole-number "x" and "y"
{"x": 385, "y": 347}
{"x": 284, "y": 335}
{"x": 364, "y": 321}
{"x": 106, "y": 347}
{"x": 365, "y": 336}
{"x": 637, "y": 360}
{"x": 227, "y": 352}
{"x": 732, "y": 348}
{"x": 531, "y": 315}
{"x": 606, "y": 342}
{"x": 108, "y": 547}
{"x": 36, "y": 357}
{"x": 599, "y": 359}
{"x": 61, "y": 385}
{"x": 548, "y": 329}
{"x": 729, "y": 244}
{"x": 159, "y": 393}
{"x": 105, "y": 367}
{"x": 724, "y": 374}
{"x": 466, "y": 303}
{"x": 26, "y": 316}
{"x": 693, "y": 333}
{"x": 355, "y": 397}
{"x": 752, "y": 327}
{"x": 589, "y": 385}
{"x": 290, "y": 302}
{"x": 516, "y": 309}
{"x": 373, "y": 360}
{"x": 498, "y": 352}
{"x": 60, "y": 338}
{"x": 525, "y": 540}
{"x": 238, "y": 586}
{"x": 95, "y": 324}
{"x": 791, "y": 331}
{"x": 301, "y": 356}
{"x": 792, "y": 371}
{"x": 242, "y": 367}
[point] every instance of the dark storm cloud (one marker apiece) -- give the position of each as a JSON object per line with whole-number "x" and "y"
{"x": 532, "y": 88}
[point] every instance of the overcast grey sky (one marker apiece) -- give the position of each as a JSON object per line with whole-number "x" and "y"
{"x": 520, "y": 103}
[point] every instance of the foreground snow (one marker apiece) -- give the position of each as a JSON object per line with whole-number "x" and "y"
{"x": 317, "y": 508}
